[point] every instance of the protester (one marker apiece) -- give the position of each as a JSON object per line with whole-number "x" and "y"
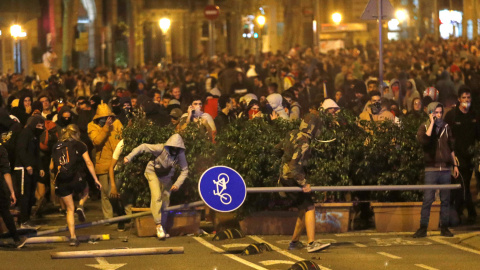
{"x": 159, "y": 173}
{"x": 292, "y": 173}
{"x": 68, "y": 158}
{"x": 437, "y": 140}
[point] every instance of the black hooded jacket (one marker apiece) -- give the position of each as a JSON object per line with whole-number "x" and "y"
{"x": 9, "y": 130}
{"x": 28, "y": 148}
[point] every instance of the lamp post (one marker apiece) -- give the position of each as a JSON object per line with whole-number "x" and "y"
{"x": 165, "y": 26}
{"x": 261, "y": 22}
{"x": 17, "y": 33}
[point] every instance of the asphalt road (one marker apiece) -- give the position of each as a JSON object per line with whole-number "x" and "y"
{"x": 357, "y": 250}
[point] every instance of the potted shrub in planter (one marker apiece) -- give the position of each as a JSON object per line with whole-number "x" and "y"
{"x": 394, "y": 157}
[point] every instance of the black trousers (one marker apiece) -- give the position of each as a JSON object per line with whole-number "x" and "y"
{"x": 25, "y": 186}
{"x": 5, "y": 213}
{"x": 462, "y": 198}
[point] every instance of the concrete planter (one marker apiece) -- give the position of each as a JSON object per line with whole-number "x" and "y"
{"x": 178, "y": 223}
{"x": 333, "y": 217}
{"x": 329, "y": 217}
{"x": 403, "y": 216}
{"x": 269, "y": 223}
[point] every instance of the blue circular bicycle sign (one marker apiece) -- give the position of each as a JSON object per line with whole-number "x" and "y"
{"x": 222, "y": 188}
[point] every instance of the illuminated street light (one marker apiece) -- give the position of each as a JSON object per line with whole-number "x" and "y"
{"x": 401, "y": 15}
{"x": 164, "y": 24}
{"x": 261, "y": 20}
{"x": 16, "y": 31}
{"x": 336, "y": 17}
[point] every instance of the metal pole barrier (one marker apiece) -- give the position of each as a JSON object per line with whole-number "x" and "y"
{"x": 59, "y": 239}
{"x": 116, "y": 252}
{"x": 120, "y": 218}
{"x": 352, "y": 188}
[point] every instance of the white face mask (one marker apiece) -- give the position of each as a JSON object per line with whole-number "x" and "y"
{"x": 465, "y": 105}
{"x": 198, "y": 111}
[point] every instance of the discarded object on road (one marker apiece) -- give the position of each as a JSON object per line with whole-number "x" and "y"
{"x": 117, "y": 219}
{"x": 228, "y": 234}
{"x": 60, "y": 239}
{"x": 305, "y": 265}
{"x": 256, "y": 248}
{"x": 116, "y": 252}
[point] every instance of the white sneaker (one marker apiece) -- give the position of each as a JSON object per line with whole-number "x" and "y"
{"x": 160, "y": 232}
{"x": 316, "y": 246}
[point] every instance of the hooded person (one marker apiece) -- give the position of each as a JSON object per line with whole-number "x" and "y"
{"x": 9, "y": 130}
{"x": 28, "y": 167}
{"x": 24, "y": 109}
{"x": 437, "y": 142}
{"x": 104, "y": 131}
{"x": 275, "y": 103}
{"x": 410, "y": 95}
{"x": 159, "y": 173}
{"x": 330, "y": 106}
{"x": 65, "y": 117}
{"x": 296, "y": 152}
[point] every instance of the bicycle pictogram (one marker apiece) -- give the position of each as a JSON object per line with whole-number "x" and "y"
{"x": 221, "y": 184}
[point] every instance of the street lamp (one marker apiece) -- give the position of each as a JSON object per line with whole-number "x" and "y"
{"x": 17, "y": 32}
{"x": 261, "y": 20}
{"x": 164, "y": 26}
{"x": 336, "y": 17}
{"x": 401, "y": 15}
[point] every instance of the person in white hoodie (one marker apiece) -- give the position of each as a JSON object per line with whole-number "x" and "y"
{"x": 275, "y": 102}
{"x": 159, "y": 173}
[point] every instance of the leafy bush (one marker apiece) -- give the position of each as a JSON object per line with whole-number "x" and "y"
{"x": 387, "y": 155}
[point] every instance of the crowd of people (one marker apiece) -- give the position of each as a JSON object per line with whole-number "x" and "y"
{"x": 93, "y": 106}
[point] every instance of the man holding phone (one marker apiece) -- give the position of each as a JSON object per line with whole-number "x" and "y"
{"x": 104, "y": 131}
{"x": 437, "y": 142}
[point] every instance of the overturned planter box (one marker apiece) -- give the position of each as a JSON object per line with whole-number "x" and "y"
{"x": 403, "y": 216}
{"x": 333, "y": 217}
{"x": 178, "y": 223}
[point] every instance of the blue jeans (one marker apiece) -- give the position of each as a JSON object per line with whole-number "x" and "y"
{"x": 436, "y": 178}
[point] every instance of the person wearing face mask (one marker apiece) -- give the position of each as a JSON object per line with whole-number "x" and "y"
{"x": 376, "y": 112}
{"x": 104, "y": 132}
{"x": 65, "y": 117}
{"x": 196, "y": 114}
{"x": 464, "y": 122}
{"x": 437, "y": 142}
{"x": 28, "y": 168}
{"x": 159, "y": 173}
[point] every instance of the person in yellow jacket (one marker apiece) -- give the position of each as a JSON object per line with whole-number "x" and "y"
{"x": 104, "y": 131}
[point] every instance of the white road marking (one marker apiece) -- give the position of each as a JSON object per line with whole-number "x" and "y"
{"x": 283, "y": 252}
{"x": 441, "y": 241}
{"x": 272, "y": 262}
{"x": 425, "y": 267}
{"x": 381, "y": 234}
{"x": 231, "y": 256}
{"x": 389, "y": 255}
{"x": 386, "y": 242}
{"x": 235, "y": 245}
{"x": 104, "y": 265}
{"x": 359, "y": 245}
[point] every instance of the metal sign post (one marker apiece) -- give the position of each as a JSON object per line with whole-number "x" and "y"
{"x": 379, "y": 10}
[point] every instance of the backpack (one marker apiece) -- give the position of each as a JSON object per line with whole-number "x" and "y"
{"x": 64, "y": 158}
